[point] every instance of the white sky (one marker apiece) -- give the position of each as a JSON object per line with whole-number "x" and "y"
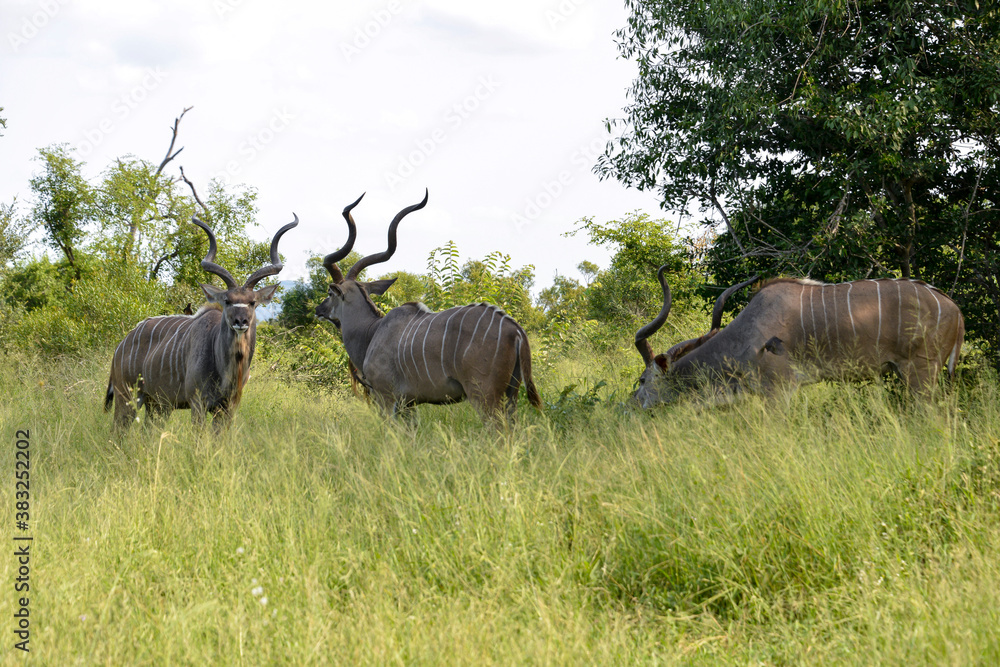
{"x": 497, "y": 108}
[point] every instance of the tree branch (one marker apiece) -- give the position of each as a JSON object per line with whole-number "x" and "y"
{"x": 965, "y": 231}
{"x": 170, "y": 154}
{"x": 802, "y": 68}
{"x": 208, "y": 214}
{"x": 159, "y": 263}
{"x": 725, "y": 218}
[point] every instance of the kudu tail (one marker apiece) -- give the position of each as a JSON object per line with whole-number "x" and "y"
{"x": 109, "y": 397}
{"x": 524, "y": 359}
{"x": 959, "y": 339}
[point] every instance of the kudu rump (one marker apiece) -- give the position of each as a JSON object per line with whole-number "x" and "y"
{"x": 800, "y": 330}
{"x": 412, "y": 355}
{"x": 198, "y": 361}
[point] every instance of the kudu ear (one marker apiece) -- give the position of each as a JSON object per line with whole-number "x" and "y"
{"x": 265, "y": 294}
{"x": 378, "y": 287}
{"x": 213, "y": 293}
{"x": 663, "y": 361}
{"x": 774, "y": 346}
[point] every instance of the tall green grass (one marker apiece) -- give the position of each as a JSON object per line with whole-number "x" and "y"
{"x": 838, "y": 524}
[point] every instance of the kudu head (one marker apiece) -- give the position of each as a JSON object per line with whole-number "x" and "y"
{"x": 654, "y": 385}
{"x": 239, "y": 302}
{"x": 348, "y": 295}
{"x": 657, "y": 384}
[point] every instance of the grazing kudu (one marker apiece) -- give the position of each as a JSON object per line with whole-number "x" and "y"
{"x": 198, "y": 361}
{"x": 800, "y": 330}
{"x": 682, "y": 348}
{"x": 412, "y": 355}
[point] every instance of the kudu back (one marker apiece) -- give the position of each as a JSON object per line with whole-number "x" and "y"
{"x": 412, "y": 355}
{"x": 800, "y": 330}
{"x": 199, "y": 362}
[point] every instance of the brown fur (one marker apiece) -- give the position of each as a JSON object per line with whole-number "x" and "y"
{"x": 795, "y": 331}
{"x": 199, "y": 361}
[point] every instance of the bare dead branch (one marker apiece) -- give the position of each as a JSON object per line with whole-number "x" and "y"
{"x": 802, "y": 68}
{"x": 725, "y": 218}
{"x": 208, "y": 214}
{"x": 965, "y": 231}
{"x": 159, "y": 263}
{"x": 173, "y": 139}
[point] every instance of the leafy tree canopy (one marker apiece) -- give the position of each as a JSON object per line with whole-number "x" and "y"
{"x": 628, "y": 288}
{"x": 139, "y": 215}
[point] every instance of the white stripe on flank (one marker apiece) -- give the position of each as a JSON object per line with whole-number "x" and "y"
{"x": 118, "y": 352}
{"x": 414, "y": 332}
{"x": 400, "y": 356}
{"x": 135, "y": 344}
{"x": 899, "y": 323}
{"x": 175, "y": 353}
{"x": 812, "y": 310}
{"x": 826, "y": 320}
{"x": 499, "y": 336}
{"x": 938, "y": 324}
{"x": 802, "y": 312}
{"x": 175, "y": 364}
{"x": 878, "y": 293}
{"x": 162, "y": 350}
{"x": 474, "y": 332}
{"x": 413, "y": 337}
{"x": 444, "y": 340}
{"x": 854, "y": 330}
{"x": 130, "y": 347}
{"x": 454, "y": 355}
{"x": 836, "y": 314}
{"x": 490, "y": 325}
{"x": 152, "y": 341}
{"x": 423, "y": 346}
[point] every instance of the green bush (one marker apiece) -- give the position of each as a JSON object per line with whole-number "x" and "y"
{"x": 72, "y": 315}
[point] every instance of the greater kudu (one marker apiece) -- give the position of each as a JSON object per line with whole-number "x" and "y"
{"x": 412, "y": 355}
{"x": 800, "y": 330}
{"x": 198, "y": 361}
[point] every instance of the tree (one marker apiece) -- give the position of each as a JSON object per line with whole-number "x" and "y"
{"x": 63, "y": 201}
{"x": 491, "y": 279}
{"x": 128, "y": 249}
{"x": 628, "y": 288}
{"x": 14, "y": 233}
{"x": 565, "y": 300}
{"x": 298, "y": 302}
{"x": 838, "y": 140}
{"x": 589, "y": 270}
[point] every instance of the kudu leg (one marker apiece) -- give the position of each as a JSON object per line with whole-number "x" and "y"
{"x": 405, "y": 410}
{"x": 124, "y": 412}
{"x": 919, "y": 375}
{"x": 157, "y": 413}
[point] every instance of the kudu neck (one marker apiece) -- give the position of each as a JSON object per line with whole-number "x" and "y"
{"x": 358, "y": 332}
{"x": 233, "y": 353}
